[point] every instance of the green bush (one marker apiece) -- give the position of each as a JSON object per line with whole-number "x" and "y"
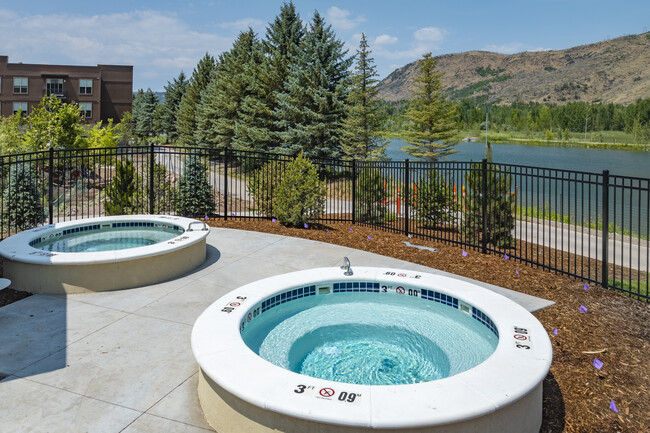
{"x": 195, "y": 195}
{"x": 264, "y": 184}
{"x": 431, "y": 202}
{"x": 300, "y": 194}
{"x": 21, "y": 200}
{"x": 163, "y": 190}
{"x": 500, "y": 215}
{"x": 121, "y": 194}
{"x": 371, "y": 196}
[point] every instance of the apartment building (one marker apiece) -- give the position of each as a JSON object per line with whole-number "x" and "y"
{"x": 103, "y": 91}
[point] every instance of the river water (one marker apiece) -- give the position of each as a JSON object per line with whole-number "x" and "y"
{"x": 618, "y": 162}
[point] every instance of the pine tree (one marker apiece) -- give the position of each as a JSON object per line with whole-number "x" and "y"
{"x": 121, "y": 194}
{"x": 300, "y": 195}
{"x": 174, "y": 92}
{"x": 282, "y": 46}
{"x": 144, "y": 122}
{"x": 312, "y": 107}
{"x": 431, "y": 118}
{"x": 233, "y": 112}
{"x": 21, "y": 200}
{"x": 186, "y": 116}
{"x": 195, "y": 196}
{"x": 361, "y": 128}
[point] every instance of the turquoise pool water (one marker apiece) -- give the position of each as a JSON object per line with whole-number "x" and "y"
{"x": 370, "y": 338}
{"x": 106, "y": 239}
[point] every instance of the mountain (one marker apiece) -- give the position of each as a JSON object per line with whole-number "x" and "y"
{"x": 616, "y": 70}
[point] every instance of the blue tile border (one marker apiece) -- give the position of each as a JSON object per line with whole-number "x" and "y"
{"x": 98, "y": 227}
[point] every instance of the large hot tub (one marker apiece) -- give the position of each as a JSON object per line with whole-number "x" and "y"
{"x": 105, "y": 253}
{"x": 385, "y": 349}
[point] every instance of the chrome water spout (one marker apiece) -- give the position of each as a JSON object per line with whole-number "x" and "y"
{"x": 346, "y": 266}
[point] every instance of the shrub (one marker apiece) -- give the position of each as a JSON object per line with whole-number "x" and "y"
{"x": 195, "y": 195}
{"x": 21, "y": 205}
{"x": 432, "y": 202}
{"x": 371, "y": 196}
{"x": 500, "y": 217}
{"x": 300, "y": 194}
{"x": 264, "y": 184}
{"x": 163, "y": 190}
{"x": 121, "y": 194}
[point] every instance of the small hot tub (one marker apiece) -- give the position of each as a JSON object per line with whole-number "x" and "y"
{"x": 106, "y": 253}
{"x": 385, "y": 349}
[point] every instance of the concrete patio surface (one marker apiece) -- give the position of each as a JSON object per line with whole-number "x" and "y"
{"x": 121, "y": 361}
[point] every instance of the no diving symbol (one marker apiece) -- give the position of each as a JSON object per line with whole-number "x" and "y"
{"x": 400, "y": 290}
{"x": 326, "y": 392}
{"x": 521, "y": 337}
{"x": 234, "y": 304}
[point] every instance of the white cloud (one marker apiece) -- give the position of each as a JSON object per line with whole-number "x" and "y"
{"x": 427, "y": 39}
{"x": 243, "y": 24}
{"x": 340, "y": 18}
{"x": 385, "y": 39}
{"x": 157, "y": 44}
{"x": 512, "y": 47}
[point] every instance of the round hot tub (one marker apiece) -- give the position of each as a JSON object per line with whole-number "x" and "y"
{"x": 381, "y": 349}
{"x": 105, "y": 253}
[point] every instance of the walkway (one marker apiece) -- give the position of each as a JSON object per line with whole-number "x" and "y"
{"x": 121, "y": 361}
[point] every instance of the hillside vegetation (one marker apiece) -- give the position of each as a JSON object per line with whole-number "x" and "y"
{"x": 614, "y": 71}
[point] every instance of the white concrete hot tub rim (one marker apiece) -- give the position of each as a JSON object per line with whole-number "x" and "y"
{"x": 17, "y": 247}
{"x": 509, "y": 374}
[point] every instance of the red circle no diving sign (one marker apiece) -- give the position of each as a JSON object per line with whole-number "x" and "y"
{"x": 326, "y": 392}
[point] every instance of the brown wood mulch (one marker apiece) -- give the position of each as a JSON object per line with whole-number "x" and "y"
{"x": 615, "y": 329}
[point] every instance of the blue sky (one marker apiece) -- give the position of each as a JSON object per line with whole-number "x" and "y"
{"x": 162, "y": 37}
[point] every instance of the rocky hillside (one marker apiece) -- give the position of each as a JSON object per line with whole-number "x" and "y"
{"x": 617, "y": 70}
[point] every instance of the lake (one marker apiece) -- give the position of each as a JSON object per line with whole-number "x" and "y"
{"x": 619, "y": 162}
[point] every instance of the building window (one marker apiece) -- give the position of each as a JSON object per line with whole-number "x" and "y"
{"x": 20, "y": 85}
{"x": 22, "y": 107}
{"x": 86, "y": 109}
{"x": 54, "y": 86}
{"x": 85, "y": 87}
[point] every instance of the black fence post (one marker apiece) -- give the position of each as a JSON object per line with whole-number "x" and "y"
{"x": 354, "y": 191}
{"x": 50, "y": 186}
{"x": 225, "y": 184}
{"x": 605, "y": 230}
{"x": 152, "y": 159}
{"x": 407, "y": 187}
{"x": 484, "y": 196}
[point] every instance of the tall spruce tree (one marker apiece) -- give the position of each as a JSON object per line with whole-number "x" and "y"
{"x": 186, "y": 116}
{"x": 282, "y": 46}
{"x": 174, "y": 92}
{"x": 311, "y": 108}
{"x": 144, "y": 118}
{"x": 431, "y": 118}
{"x": 361, "y": 128}
{"x": 233, "y": 112}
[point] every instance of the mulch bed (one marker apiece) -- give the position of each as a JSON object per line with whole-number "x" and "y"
{"x": 615, "y": 329}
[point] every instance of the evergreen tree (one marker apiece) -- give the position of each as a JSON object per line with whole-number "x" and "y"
{"x": 186, "y": 115}
{"x": 121, "y": 194}
{"x": 144, "y": 119}
{"x": 21, "y": 200}
{"x": 233, "y": 111}
{"x": 300, "y": 194}
{"x": 361, "y": 128}
{"x": 282, "y": 46}
{"x": 174, "y": 92}
{"x": 371, "y": 196}
{"x": 432, "y": 201}
{"x": 195, "y": 196}
{"x": 431, "y": 117}
{"x": 312, "y": 106}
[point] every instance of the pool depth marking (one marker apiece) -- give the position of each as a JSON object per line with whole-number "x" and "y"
{"x": 329, "y": 394}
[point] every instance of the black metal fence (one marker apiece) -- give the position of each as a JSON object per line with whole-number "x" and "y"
{"x": 593, "y": 226}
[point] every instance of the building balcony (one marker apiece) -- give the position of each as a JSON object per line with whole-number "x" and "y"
{"x": 59, "y": 93}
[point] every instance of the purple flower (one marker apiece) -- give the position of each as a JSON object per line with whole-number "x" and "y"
{"x": 206, "y": 217}
{"x": 583, "y": 309}
{"x": 232, "y": 214}
{"x": 328, "y": 232}
{"x": 516, "y": 272}
{"x": 306, "y": 225}
{"x": 351, "y": 230}
{"x": 586, "y": 286}
{"x": 505, "y": 257}
{"x": 369, "y": 237}
{"x": 464, "y": 253}
{"x": 598, "y": 363}
{"x": 274, "y": 220}
{"x": 554, "y": 331}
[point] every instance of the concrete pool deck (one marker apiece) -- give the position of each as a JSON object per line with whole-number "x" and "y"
{"x": 121, "y": 361}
